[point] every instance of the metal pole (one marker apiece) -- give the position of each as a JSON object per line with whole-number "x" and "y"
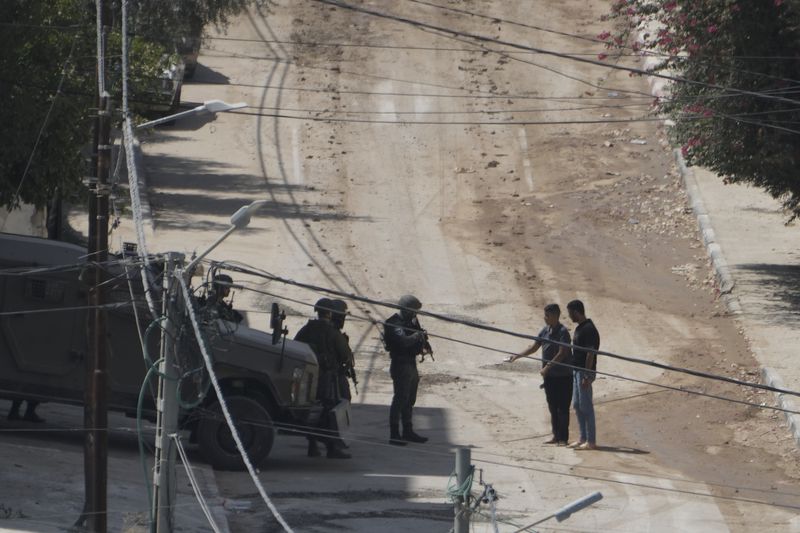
{"x": 167, "y": 406}
{"x": 99, "y": 385}
{"x": 463, "y": 471}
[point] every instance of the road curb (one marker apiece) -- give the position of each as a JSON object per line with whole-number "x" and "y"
{"x": 216, "y": 502}
{"x": 726, "y": 285}
{"x": 773, "y": 379}
{"x": 722, "y": 271}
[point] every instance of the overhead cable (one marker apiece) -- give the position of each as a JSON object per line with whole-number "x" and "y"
{"x": 133, "y": 174}
{"x": 193, "y": 482}
{"x": 494, "y": 329}
{"x": 221, "y": 398}
{"x": 661, "y": 386}
{"x": 554, "y": 53}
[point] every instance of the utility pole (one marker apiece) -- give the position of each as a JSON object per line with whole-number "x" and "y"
{"x": 96, "y": 393}
{"x": 461, "y": 504}
{"x": 167, "y": 402}
{"x": 99, "y": 386}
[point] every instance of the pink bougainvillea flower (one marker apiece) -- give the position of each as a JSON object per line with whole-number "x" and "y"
{"x": 602, "y": 56}
{"x": 713, "y": 28}
{"x": 603, "y": 36}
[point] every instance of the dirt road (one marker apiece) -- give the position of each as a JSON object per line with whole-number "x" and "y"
{"x": 398, "y": 159}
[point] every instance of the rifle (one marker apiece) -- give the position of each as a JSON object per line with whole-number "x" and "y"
{"x": 350, "y": 366}
{"x": 427, "y": 349}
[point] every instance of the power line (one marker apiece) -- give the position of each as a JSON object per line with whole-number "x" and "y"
{"x": 554, "y": 53}
{"x": 597, "y": 40}
{"x": 187, "y": 296}
{"x": 495, "y": 329}
{"x": 375, "y": 322}
{"x": 509, "y": 122}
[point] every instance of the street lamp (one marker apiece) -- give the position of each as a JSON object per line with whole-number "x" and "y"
{"x": 211, "y": 106}
{"x": 240, "y": 219}
{"x": 566, "y": 511}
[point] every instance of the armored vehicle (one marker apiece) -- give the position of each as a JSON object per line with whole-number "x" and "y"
{"x": 269, "y": 382}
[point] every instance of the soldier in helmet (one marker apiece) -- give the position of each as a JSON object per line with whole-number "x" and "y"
{"x": 221, "y": 289}
{"x": 331, "y": 350}
{"x": 405, "y": 340}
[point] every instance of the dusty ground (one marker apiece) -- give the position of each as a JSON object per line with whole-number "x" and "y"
{"x": 375, "y": 191}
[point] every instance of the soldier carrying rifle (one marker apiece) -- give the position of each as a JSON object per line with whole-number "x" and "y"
{"x": 405, "y": 340}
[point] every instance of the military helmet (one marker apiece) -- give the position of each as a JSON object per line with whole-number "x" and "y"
{"x": 338, "y": 307}
{"x": 222, "y": 281}
{"x": 323, "y": 305}
{"x": 409, "y": 301}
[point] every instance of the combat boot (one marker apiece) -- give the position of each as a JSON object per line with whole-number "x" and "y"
{"x": 410, "y": 436}
{"x": 396, "y": 439}
{"x": 337, "y": 453}
{"x": 313, "y": 449}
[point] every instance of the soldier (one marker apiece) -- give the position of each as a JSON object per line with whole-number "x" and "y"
{"x": 220, "y": 289}
{"x": 347, "y": 370}
{"x": 405, "y": 340}
{"x": 331, "y": 351}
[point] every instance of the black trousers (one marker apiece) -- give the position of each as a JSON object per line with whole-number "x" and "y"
{"x": 558, "y": 391}
{"x": 405, "y": 379}
{"x": 328, "y": 396}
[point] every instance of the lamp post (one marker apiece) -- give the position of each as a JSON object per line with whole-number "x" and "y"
{"x": 167, "y": 404}
{"x": 566, "y": 511}
{"x": 210, "y": 106}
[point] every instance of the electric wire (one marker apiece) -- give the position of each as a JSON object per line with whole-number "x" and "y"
{"x": 193, "y": 481}
{"x": 554, "y": 53}
{"x": 222, "y": 404}
{"x": 479, "y": 456}
{"x": 494, "y": 329}
{"x": 133, "y": 174}
{"x": 662, "y": 386}
{"x": 101, "y": 60}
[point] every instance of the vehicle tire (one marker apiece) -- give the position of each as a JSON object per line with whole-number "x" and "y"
{"x": 255, "y": 428}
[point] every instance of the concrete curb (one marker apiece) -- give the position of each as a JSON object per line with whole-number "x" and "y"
{"x": 726, "y": 284}
{"x": 216, "y": 502}
{"x": 773, "y": 379}
{"x": 722, "y": 271}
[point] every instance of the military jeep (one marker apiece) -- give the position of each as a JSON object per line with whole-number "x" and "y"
{"x": 268, "y": 382}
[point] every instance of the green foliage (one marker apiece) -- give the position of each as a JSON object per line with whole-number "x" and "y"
{"x": 752, "y": 46}
{"x": 30, "y": 70}
{"x": 39, "y": 40}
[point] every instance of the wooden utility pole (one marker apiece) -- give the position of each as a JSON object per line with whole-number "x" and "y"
{"x": 96, "y": 395}
{"x": 99, "y": 385}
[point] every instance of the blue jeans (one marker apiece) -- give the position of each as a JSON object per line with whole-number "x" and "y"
{"x": 584, "y": 408}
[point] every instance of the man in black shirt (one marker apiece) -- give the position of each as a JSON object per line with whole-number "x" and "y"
{"x": 557, "y": 377}
{"x": 584, "y": 358}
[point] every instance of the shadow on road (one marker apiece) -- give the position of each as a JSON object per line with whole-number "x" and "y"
{"x": 203, "y": 74}
{"x": 181, "y": 187}
{"x": 779, "y": 287}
